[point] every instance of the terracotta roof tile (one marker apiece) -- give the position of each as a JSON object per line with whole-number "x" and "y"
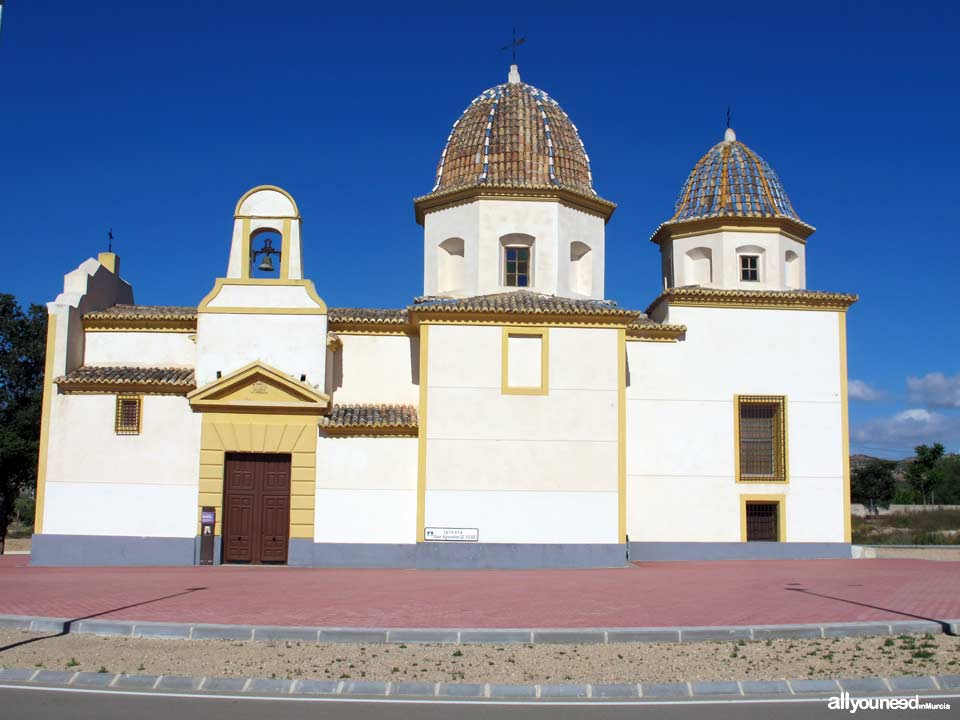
{"x": 522, "y": 301}
{"x": 143, "y": 312}
{"x": 120, "y": 375}
{"x": 516, "y": 134}
{"x": 754, "y": 298}
{"x": 370, "y": 416}
{"x": 392, "y": 316}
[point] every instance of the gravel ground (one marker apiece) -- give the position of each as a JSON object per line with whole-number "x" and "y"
{"x": 622, "y": 662}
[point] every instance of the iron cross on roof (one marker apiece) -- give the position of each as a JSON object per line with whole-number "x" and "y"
{"x": 517, "y": 42}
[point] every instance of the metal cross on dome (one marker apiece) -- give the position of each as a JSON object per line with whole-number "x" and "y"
{"x": 517, "y": 42}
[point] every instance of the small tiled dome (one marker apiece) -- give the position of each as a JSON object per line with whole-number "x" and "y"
{"x": 514, "y": 135}
{"x": 731, "y": 180}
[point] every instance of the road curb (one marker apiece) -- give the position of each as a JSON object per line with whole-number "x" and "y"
{"x": 466, "y": 636}
{"x": 476, "y": 691}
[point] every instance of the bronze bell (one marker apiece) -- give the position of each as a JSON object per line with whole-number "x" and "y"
{"x": 266, "y": 265}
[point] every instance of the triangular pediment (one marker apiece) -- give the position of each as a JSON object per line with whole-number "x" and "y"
{"x": 259, "y": 387}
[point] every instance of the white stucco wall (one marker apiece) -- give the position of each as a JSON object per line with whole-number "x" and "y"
{"x": 482, "y": 223}
{"x": 376, "y": 369}
{"x": 174, "y": 349}
{"x": 522, "y": 468}
{"x": 680, "y": 423}
{"x": 101, "y": 483}
{"x": 366, "y": 490}
{"x": 293, "y": 344}
{"x": 723, "y": 246}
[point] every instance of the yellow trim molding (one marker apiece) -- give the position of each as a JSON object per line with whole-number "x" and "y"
{"x": 422, "y": 435}
{"x": 845, "y": 427}
{"x": 782, "y": 439}
{"x": 593, "y": 205}
{"x": 793, "y": 229}
{"x": 539, "y": 332}
{"x": 99, "y": 388}
{"x": 410, "y": 431}
{"x": 295, "y": 435}
{"x": 781, "y": 501}
{"x": 513, "y": 319}
{"x": 622, "y": 435}
{"x": 140, "y": 325}
{"x": 320, "y": 309}
{"x": 259, "y": 388}
{"x": 351, "y": 327}
{"x": 753, "y": 299}
{"x": 45, "y": 417}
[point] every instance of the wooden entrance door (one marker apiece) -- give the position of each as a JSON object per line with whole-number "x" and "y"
{"x": 256, "y": 508}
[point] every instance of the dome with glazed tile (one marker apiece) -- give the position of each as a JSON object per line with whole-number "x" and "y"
{"x": 514, "y": 135}
{"x": 731, "y": 180}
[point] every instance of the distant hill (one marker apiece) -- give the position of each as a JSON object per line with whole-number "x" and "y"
{"x": 900, "y": 472}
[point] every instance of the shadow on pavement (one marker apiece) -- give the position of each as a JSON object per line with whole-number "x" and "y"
{"x": 944, "y": 625}
{"x": 67, "y": 625}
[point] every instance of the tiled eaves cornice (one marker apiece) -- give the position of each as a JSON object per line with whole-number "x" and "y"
{"x": 126, "y": 378}
{"x": 173, "y": 318}
{"x": 360, "y": 419}
{"x": 695, "y": 296}
{"x": 796, "y": 229}
{"x": 460, "y": 194}
{"x": 650, "y": 331}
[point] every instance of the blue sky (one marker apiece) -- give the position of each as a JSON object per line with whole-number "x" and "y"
{"x": 153, "y": 118}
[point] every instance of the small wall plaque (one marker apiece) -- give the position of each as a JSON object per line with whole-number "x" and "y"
{"x": 438, "y": 534}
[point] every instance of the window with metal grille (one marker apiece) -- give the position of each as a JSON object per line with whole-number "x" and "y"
{"x": 516, "y": 267}
{"x": 761, "y": 439}
{"x": 128, "y": 415}
{"x": 750, "y": 268}
{"x": 763, "y": 521}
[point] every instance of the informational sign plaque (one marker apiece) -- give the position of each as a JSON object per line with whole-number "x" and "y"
{"x": 437, "y": 534}
{"x": 208, "y": 521}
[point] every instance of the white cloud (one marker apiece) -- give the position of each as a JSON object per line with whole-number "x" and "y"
{"x": 935, "y": 390}
{"x": 909, "y": 428}
{"x": 859, "y": 390}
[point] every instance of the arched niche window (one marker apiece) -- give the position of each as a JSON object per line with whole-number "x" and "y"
{"x": 791, "y": 270}
{"x": 581, "y": 268}
{"x": 266, "y": 245}
{"x": 750, "y": 263}
{"x": 699, "y": 266}
{"x": 450, "y": 265}
{"x": 516, "y": 264}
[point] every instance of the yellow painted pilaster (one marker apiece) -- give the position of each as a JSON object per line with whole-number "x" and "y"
{"x": 422, "y": 435}
{"x": 46, "y": 410}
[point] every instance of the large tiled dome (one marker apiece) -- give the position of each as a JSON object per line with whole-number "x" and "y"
{"x": 731, "y": 180}
{"x": 514, "y": 135}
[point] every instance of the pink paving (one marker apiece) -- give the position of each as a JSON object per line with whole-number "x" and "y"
{"x": 645, "y": 595}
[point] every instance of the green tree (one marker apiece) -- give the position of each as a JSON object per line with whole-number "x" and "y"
{"x": 22, "y": 345}
{"x": 946, "y": 491}
{"x": 873, "y": 483}
{"x": 922, "y": 473}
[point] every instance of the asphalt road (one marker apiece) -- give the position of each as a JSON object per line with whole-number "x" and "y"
{"x": 48, "y": 704}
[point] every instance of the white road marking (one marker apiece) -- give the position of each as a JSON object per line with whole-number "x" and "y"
{"x": 452, "y": 701}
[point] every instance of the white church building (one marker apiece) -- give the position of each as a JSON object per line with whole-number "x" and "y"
{"x": 510, "y": 416}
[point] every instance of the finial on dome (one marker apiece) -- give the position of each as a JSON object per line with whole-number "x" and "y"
{"x": 729, "y": 136}
{"x": 514, "y": 76}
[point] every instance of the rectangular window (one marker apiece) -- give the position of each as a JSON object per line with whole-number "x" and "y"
{"x": 750, "y": 268}
{"x": 761, "y": 447}
{"x": 516, "y": 266}
{"x": 762, "y": 521}
{"x": 128, "y": 416}
{"x": 525, "y": 368}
